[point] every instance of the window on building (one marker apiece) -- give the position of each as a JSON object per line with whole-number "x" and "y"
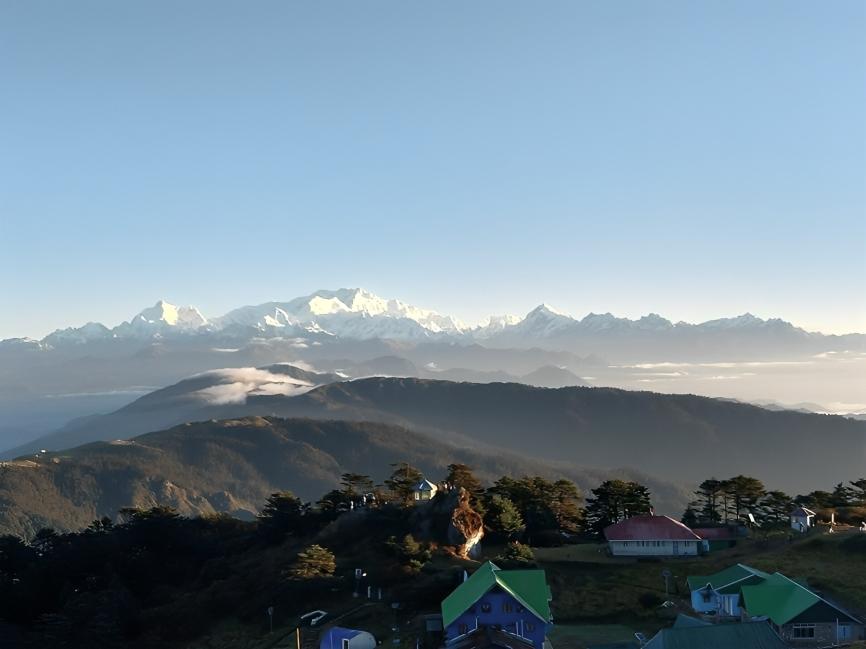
{"x": 462, "y": 629}
{"x": 520, "y": 608}
{"x": 506, "y": 608}
{"x": 530, "y": 626}
{"x": 803, "y": 631}
{"x": 688, "y": 543}
{"x": 485, "y": 608}
{"x": 345, "y": 643}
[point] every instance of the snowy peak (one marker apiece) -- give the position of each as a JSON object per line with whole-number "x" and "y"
{"x": 547, "y": 311}
{"x": 348, "y": 313}
{"x": 747, "y": 322}
{"x": 185, "y": 317}
{"x": 494, "y": 325}
{"x": 357, "y": 314}
{"x": 654, "y": 322}
{"x": 541, "y": 322}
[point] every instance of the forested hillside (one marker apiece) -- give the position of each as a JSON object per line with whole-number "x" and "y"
{"x": 676, "y": 437}
{"x": 232, "y": 466}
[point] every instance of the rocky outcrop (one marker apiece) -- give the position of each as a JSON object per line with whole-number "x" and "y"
{"x": 449, "y": 520}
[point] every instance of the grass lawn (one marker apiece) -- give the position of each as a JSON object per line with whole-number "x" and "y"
{"x": 590, "y": 552}
{"x": 581, "y": 636}
{"x": 593, "y": 591}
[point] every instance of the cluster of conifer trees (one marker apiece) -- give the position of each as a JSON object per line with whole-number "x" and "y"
{"x": 733, "y": 499}
{"x": 128, "y": 565}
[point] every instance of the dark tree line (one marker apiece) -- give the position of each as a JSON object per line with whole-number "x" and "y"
{"x": 721, "y": 501}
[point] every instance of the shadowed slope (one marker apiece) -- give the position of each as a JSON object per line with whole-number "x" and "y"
{"x": 234, "y": 465}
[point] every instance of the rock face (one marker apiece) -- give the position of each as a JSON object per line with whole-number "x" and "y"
{"x": 466, "y": 527}
{"x": 450, "y": 520}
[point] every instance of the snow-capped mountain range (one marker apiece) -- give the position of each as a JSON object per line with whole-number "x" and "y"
{"x": 357, "y": 314}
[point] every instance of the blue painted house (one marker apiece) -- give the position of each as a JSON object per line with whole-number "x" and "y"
{"x": 515, "y": 603}
{"x": 719, "y": 594}
{"x": 339, "y": 638}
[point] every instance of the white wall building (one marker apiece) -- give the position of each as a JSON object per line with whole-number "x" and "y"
{"x": 642, "y": 536}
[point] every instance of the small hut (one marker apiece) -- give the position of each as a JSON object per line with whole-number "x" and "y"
{"x": 802, "y": 519}
{"x": 424, "y": 490}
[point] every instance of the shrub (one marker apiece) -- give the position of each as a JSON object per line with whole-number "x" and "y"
{"x": 517, "y": 554}
{"x": 650, "y": 600}
{"x": 315, "y": 561}
{"x": 547, "y": 539}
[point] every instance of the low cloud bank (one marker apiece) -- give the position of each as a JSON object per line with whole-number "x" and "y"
{"x": 236, "y": 384}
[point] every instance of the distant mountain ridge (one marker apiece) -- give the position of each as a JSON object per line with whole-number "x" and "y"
{"x": 680, "y": 437}
{"x": 357, "y": 314}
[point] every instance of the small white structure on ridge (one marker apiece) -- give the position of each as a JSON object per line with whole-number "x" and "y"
{"x": 802, "y": 519}
{"x": 424, "y": 490}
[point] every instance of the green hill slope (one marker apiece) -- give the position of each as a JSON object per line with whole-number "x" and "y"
{"x": 233, "y": 465}
{"x": 677, "y": 437}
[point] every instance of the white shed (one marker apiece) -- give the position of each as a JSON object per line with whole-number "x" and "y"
{"x": 802, "y": 519}
{"x": 424, "y": 490}
{"x": 340, "y": 638}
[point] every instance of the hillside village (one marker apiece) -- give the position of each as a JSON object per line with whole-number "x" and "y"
{"x": 524, "y": 563}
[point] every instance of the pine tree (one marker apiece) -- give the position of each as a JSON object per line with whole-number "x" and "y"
{"x": 517, "y": 554}
{"x": 843, "y": 496}
{"x": 691, "y": 516}
{"x": 543, "y": 505}
{"x": 613, "y": 501}
{"x": 355, "y": 484}
{"x": 859, "y": 492}
{"x": 815, "y": 500}
{"x": 313, "y": 562}
{"x": 461, "y": 475}
{"x": 404, "y": 477}
{"x": 706, "y": 504}
{"x": 744, "y": 493}
{"x": 775, "y": 506}
{"x": 282, "y": 514}
{"x": 503, "y": 517}
{"x": 566, "y": 495}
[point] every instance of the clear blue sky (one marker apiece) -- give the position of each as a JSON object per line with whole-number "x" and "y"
{"x": 694, "y": 159}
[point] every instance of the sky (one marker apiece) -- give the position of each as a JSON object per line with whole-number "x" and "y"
{"x": 692, "y": 159}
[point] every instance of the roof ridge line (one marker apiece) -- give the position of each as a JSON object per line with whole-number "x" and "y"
{"x": 814, "y": 594}
{"x": 517, "y": 597}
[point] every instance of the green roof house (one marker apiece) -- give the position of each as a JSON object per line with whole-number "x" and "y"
{"x": 516, "y": 602}
{"x": 748, "y": 635}
{"x": 719, "y": 594}
{"x": 801, "y": 617}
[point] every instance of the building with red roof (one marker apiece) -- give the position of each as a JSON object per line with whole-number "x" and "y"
{"x": 643, "y": 536}
{"x": 718, "y": 538}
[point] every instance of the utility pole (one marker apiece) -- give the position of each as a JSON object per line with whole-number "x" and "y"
{"x": 667, "y": 575}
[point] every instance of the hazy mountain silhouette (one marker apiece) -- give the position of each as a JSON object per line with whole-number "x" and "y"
{"x": 678, "y": 437}
{"x": 234, "y": 465}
